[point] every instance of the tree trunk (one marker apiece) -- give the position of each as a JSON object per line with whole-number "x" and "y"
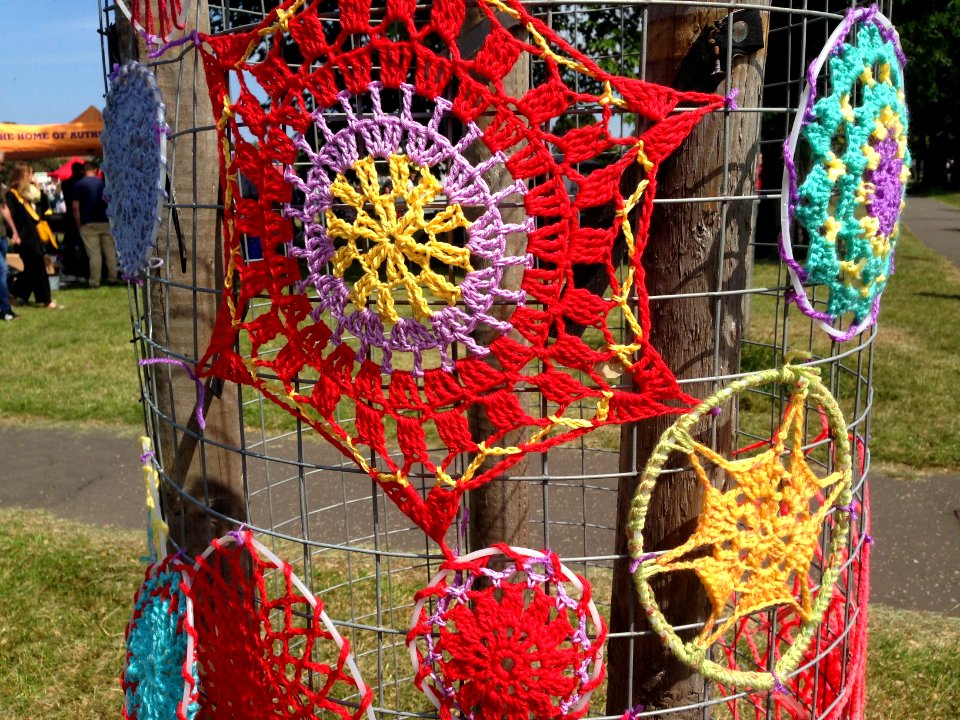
{"x": 182, "y": 317}
{"x": 499, "y": 509}
{"x": 697, "y": 247}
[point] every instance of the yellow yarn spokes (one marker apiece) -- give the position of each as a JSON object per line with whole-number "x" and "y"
{"x": 761, "y": 533}
{"x": 386, "y": 244}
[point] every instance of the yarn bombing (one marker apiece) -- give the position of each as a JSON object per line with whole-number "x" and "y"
{"x": 134, "y": 163}
{"x": 160, "y": 676}
{"x": 159, "y": 26}
{"x": 521, "y": 643}
{"x": 408, "y": 167}
{"x": 831, "y": 679}
{"x": 849, "y": 202}
{"x": 754, "y": 543}
{"x": 265, "y": 646}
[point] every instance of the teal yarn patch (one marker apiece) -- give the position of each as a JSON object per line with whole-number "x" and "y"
{"x": 849, "y": 202}
{"x": 158, "y": 668}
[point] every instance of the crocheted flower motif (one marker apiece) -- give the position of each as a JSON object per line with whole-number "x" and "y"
{"x": 520, "y": 643}
{"x": 357, "y": 225}
{"x": 265, "y": 646}
{"x": 849, "y": 201}
{"x": 158, "y": 20}
{"x": 830, "y": 681}
{"x": 396, "y": 182}
{"x": 134, "y": 163}
{"x": 160, "y": 677}
{"x": 757, "y": 535}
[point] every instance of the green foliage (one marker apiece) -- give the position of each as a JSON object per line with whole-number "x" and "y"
{"x": 930, "y": 33}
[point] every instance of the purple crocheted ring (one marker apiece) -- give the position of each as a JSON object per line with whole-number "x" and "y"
{"x": 393, "y": 229}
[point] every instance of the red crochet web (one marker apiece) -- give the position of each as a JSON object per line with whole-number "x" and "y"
{"x": 831, "y": 681}
{"x": 264, "y": 653}
{"x": 545, "y": 365}
{"x": 161, "y": 23}
{"x": 518, "y": 643}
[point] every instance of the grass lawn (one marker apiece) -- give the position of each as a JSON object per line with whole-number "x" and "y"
{"x": 66, "y": 590}
{"x": 74, "y": 365}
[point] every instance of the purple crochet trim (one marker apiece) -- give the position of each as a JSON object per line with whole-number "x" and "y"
{"x": 885, "y": 203}
{"x": 200, "y": 389}
{"x": 381, "y": 136}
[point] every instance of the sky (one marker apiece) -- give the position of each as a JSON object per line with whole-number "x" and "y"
{"x": 50, "y": 66}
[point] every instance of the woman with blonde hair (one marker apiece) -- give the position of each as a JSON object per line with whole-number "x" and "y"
{"x": 26, "y": 205}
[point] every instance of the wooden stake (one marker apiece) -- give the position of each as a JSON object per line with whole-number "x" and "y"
{"x": 685, "y": 254}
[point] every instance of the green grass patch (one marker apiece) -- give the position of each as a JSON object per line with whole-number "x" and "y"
{"x": 74, "y": 365}
{"x": 65, "y": 594}
{"x": 912, "y": 669}
{"x": 66, "y": 590}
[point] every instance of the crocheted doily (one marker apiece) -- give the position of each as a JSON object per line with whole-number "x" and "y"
{"x": 134, "y": 163}
{"x": 160, "y": 676}
{"x": 755, "y": 543}
{"x": 521, "y": 642}
{"x": 265, "y": 646}
{"x": 831, "y": 678}
{"x": 391, "y": 173}
{"x": 848, "y": 202}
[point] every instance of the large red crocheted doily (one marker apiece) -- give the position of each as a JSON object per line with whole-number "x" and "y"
{"x": 265, "y": 647}
{"x": 361, "y": 151}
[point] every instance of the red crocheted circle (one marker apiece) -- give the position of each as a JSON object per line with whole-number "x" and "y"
{"x": 520, "y": 643}
{"x": 577, "y": 345}
{"x": 265, "y": 649}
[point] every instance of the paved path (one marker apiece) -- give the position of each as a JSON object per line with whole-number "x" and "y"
{"x": 936, "y": 224}
{"x": 94, "y": 477}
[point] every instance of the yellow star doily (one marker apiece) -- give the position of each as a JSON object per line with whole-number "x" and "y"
{"x": 755, "y": 541}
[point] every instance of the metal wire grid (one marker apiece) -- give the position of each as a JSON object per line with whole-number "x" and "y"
{"x": 308, "y": 503}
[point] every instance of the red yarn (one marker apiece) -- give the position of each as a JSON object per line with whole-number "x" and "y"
{"x": 508, "y": 644}
{"x": 162, "y": 25}
{"x": 262, "y": 653}
{"x": 292, "y": 357}
{"x": 831, "y": 681}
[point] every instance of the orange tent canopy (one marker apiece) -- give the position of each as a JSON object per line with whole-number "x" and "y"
{"x": 80, "y": 136}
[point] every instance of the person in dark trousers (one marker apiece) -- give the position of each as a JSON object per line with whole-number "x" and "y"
{"x": 27, "y": 206}
{"x": 6, "y": 311}
{"x": 90, "y": 214}
{"x": 75, "y": 263}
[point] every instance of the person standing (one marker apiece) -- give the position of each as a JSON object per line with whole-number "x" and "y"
{"x": 75, "y": 263}
{"x": 26, "y": 205}
{"x": 6, "y": 311}
{"x": 90, "y": 214}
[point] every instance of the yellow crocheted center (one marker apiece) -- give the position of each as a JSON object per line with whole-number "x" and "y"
{"x": 395, "y": 250}
{"x": 761, "y": 533}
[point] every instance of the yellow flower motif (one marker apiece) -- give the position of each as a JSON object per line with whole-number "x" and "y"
{"x": 761, "y": 533}
{"x": 395, "y": 250}
{"x": 836, "y": 168}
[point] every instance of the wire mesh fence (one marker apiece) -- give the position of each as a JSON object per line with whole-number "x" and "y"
{"x": 317, "y": 509}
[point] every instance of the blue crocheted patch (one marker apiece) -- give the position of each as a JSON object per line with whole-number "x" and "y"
{"x": 154, "y": 677}
{"x": 134, "y": 148}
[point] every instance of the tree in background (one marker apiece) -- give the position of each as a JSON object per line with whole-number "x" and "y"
{"x": 930, "y": 33}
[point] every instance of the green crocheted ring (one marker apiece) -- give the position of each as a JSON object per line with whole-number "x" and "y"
{"x": 849, "y": 202}
{"x": 755, "y": 547}
{"x": 160, "y": 679}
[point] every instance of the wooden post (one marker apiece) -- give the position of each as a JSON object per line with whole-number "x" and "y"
{"x": 498, "y": 509}
{"x": 692, "y": 248}
{"x": 182, "y": 317}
